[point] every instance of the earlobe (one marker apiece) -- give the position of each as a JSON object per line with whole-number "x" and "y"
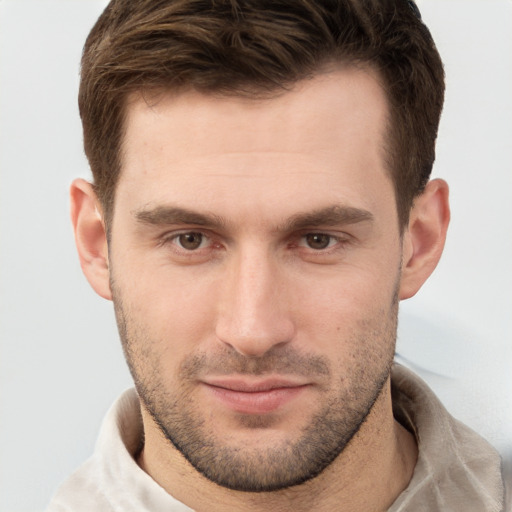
{"x": 90, "y": 236}
{"x": 425, "y": 237}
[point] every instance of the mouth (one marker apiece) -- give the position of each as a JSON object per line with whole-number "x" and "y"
{"x": 248, "y": 396}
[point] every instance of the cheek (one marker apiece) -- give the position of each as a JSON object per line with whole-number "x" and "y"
{"x": 347, "y": 310}
{"x": 169, "y": 312}
{"x": 349, "y": 291}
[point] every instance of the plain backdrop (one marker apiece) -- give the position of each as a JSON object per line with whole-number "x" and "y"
{"x": 61, "y": 365}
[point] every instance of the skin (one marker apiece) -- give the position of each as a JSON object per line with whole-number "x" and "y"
{"x": 255, "y": 240}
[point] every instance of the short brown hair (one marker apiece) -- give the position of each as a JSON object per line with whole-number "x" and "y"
{"x": 255, "y": 47}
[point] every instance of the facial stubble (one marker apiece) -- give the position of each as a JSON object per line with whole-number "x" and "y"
{"x": 274, "y": 467}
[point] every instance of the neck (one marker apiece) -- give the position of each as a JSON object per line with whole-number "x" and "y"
{"x": 368, "y": 475}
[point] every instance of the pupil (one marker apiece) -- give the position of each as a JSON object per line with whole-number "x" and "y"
{"x": 318, "y": 241}
{"x": 191, "y": 240}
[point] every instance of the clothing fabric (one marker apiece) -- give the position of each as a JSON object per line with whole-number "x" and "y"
{"x": 457, "y": 470}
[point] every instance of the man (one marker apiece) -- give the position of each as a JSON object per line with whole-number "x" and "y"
{"x": 261, "y": 203}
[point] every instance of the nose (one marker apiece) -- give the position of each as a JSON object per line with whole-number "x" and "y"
{"x": 254, "y": 314}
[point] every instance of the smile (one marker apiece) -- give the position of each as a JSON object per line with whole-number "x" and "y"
{"x": 258, "y": 397}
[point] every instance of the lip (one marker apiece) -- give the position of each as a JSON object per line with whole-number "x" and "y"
{"x": 246, "y": 396}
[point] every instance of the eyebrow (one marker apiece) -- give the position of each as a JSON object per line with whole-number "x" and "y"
{"x": 167, "y": 215}
{"x": 335, "y": 215}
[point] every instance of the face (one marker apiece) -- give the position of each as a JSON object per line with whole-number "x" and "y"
{"x": 255, "y": 260}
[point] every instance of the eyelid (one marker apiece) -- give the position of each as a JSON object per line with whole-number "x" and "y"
{"x": 171, "y": 237}
{"x": 330, "y": 234}
{"x": 340, "y": 240}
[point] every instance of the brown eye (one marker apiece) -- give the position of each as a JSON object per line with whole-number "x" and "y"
{"x": 190, "y": 241}
{"x": 318, "y": 241}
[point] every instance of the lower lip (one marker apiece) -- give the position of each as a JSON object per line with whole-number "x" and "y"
{"x": 258, "y": 402}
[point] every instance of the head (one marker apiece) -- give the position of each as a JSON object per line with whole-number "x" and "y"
{"x": 260, "y": 169}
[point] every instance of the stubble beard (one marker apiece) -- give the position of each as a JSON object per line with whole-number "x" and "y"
{"x": 276, "y": 467}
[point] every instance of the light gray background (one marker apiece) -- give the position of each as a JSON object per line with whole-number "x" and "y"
{"x": 60, "y": 361}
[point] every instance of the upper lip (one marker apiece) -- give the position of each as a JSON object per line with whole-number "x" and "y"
{"x": 246, "y": 385}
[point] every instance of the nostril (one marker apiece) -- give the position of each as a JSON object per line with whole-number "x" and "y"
{"x": 255, "y": 338}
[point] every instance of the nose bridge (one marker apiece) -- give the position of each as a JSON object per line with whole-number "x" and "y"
{"x": 253, "y": 313}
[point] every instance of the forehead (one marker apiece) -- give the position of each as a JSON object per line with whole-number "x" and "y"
{"x": 325, "y": 133}
{"x": 318, "y": 102}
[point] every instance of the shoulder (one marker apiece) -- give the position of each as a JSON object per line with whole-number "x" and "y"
{"x": 81, "y": 492}
{"x": 456, "y": 469}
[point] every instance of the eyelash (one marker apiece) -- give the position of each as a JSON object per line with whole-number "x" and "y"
{"x": 173, "y": 238}
{"x": 331, "y": 238}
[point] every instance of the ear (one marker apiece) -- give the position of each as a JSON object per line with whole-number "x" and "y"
{"x": 424, "y": 239}
{"x": 90, "y": 236}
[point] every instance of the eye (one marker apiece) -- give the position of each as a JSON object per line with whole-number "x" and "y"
{"x": 190, "y": 241}
{"x": 319, "y": 241}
